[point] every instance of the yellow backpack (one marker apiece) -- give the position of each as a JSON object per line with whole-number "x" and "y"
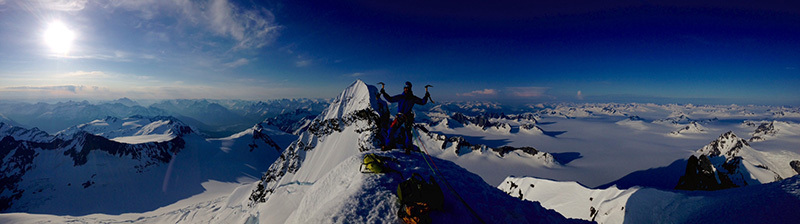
{"x": 373, "y": 164}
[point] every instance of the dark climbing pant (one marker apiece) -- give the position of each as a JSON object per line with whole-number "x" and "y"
{"x": 407, "y": 123}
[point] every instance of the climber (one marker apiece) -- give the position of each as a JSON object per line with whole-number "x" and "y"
{"x": 405, "y": 102}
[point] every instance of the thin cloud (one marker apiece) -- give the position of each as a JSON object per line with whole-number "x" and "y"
{"x": 579, "y": 95}
{"x": 68, "y": 88}
{"x": 302, "y": 63}
{"x": 357, "y": 74}
{"x": 115, "y": 55}
{"x": 237, "y": 63}
{"x": 61, "y": 5}
{"x": 248, "y": 27}
{"x": 85, "y": 74}
{"x": 484, "y": 92}
{"x": 527, "y": 92}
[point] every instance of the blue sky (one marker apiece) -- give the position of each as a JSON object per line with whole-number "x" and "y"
{"x": 508, "y": 51}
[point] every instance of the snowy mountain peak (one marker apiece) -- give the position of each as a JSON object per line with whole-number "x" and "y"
{"x": 729, "y": 161}
{"x": 728, "y": 144}
{"x": 125, "y": 101}
{"x": 692, "y": 127}
{"x": 259, "y": 134}
{"x": 133, "y": 130}
{"x": 358, "y": 96}
{"x": 675, "y": 119}
{"x": 766, "y": 130}
{"x": 348, "y": 126}
{"x": 18, "y": 133}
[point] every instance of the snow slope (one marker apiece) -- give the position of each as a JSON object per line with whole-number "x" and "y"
{"x": 343, "y": 195}
{"x": 91, "y": 174}
{"x": 571, "y": 199}
{"x": 729, "y": 161}
{"x": 493, "y": 164}
{"x": 602, "y": 148}
{"x": 34, "y": 134}
{"x": 317, "y": 178}
{"x": 691, "y": 128}
{"x": 765, "y": 130}
{"x": 132, "y": 130}
{"x": 776, "y": 202}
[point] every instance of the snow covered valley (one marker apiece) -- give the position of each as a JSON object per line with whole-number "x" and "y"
{"x": 544, "y": 163}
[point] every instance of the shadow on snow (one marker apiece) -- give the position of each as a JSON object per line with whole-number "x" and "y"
{"x": 566, "y": 157}
{"x": 663, "y": 178}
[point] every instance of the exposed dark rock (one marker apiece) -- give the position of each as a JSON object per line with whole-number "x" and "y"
{"x": 457, "y": 140}
{"x": 292, "y": 122}
{"x": 524, "y": 116}
{"x": 764, "y": 129}
{"x": 259, "y": 135}
{"x": 78, "y": 148}
{"x": 506, "y": 149}
{"x": 513, "y": 185}
{"x": 699, "y": 175}
{"x": 20, "y": 161}
{"x": 795, "y": 165}
{"x": 460, "y": 118}
{"x": 86, "y": 142}
{"x": 715, "y": 148}
{"x": 290, "y": 160}
{"x": 480, "y": 120}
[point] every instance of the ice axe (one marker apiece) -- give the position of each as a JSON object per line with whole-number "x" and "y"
{"x": 429, "y": 96}
{"x": 379, "y": 94}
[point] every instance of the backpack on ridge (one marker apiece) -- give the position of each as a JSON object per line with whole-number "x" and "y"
{"x": 417, "y": 198}
{"x": 374, "y": 164}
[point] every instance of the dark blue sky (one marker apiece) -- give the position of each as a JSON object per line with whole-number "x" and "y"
{"x": 510, "y": 51}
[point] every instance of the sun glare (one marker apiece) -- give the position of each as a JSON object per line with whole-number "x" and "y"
{"x": 59, "y": 37}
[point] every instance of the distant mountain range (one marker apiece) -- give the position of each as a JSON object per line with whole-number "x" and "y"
{"x": 297, "y": 161}
{"x": 216, "y": 118}
{"x": 132, "y": 164}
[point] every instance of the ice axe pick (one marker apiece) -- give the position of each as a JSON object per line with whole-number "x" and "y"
{"x": 429, "y": 96}
{"x": 379, "y": 94}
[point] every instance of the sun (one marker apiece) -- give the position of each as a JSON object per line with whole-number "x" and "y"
{"x": 59, "y": 37}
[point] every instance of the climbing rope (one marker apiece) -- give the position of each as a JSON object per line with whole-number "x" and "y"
{"x": 437, "y": 173}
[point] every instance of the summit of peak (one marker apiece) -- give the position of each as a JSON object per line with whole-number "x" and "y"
{"x": 357, "y": 96}
{"x": 727, "y": 144}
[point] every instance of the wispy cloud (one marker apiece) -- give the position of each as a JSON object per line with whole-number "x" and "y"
{"x": 357, "y": 74}
{"x": 248, "y": 27}
{"x": 527, "y": 92}
{"x": 303, "y": 63}
{"x": 237, "y": 63}
{"x": 59, "y": 5}
{"x": 85, "y": 74}
{"x": 579, "y": 95}
{"x": 65, "y": 88}
{"x": 484, "y": 92}
{"x": 114, "y": 55}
